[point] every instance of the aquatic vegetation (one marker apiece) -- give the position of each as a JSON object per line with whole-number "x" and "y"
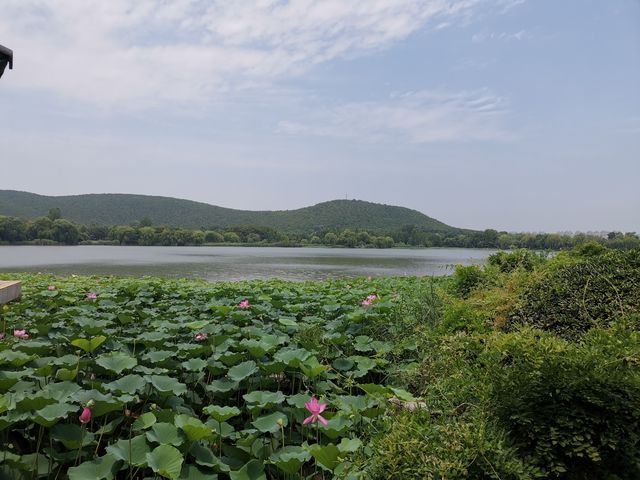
{"x": 123, "y": 378}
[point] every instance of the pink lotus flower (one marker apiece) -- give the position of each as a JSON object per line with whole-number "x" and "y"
{"x": 369, "y": 300}
{"x": 315, "y": 408}
{"x": 91, "y": 296}
{"x": 85, "y": 416}
{"x": 21, "y": 334}
{"x": 201, "y": 337}
{"x": 244, "y": 304}
{"x": 51, "y": 288}
{"x": 1, "y": 335}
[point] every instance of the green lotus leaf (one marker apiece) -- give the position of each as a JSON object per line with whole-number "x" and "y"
{"x": 165, "y": 384}
{"x": 66, "y": 375}
{"x": 128, "y": 384}
{"x": 205, "y": 457}
{"x": 298, "y": 400}
{"x": 256, "y": 348}
{"x": 289, "y": 459}
{"x": 336, "y": 426}
{"x": 165, "y": 434}
{"x": 222, "y": 385}
{"x": 34, "y": 402}
{"x": 132, "y": 451}
{"x": 154, "y": 338}
{"x": 166, "y": 461}
{"x": 254, "y": 470}
{"x": 110, "y": 427}
{"x": 259, "y": 399}
{"x": 89, "y": 345}
{"x": 292, "y": 357}
{"x": 194, "y": 364}
{"x": 103, "y": 468}
{"x": 7, "y": 403}
{"x": 71, "y": 435}
{"x": 191, "y": 472}
{"x": 216, "y": 367}
{"x": 221, "y": 414}
{"x": 343, "y": 364}
{"x": 60, "y": 391}
{"x": 193, "y": 428}
{"x": 231, "y": 358}
{"x": 116, "y": 362}
{"x": 242, "y": 370}
{"x": 16, "y": 359}
{"x": 312, "y": 368}
{"x": 144, "y": 421}
{"x": 102, "y": 403}
{"x": 288, "y": 322}
{"x": 349, "y": 445}
{"x": 403, "y": 394}
{"x": 271, "y": 423}
{"x": 197, "y": 325}
{"x": 52, "y": 414}
{"x": 273, "y": 367}
{"x": 157, "y": 356}
{"x": 374, "y": 389}
{"x": 327, "y": 456}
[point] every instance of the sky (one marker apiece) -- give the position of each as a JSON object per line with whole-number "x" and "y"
{"x": 518, "y": 115}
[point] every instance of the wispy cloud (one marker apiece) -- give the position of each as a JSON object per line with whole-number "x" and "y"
{"x": 138, "y": 53}
{"x": 416, "y": 117}
{"x": 502, "y": 36}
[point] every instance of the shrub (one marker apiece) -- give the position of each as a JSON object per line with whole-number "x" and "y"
{"x": 419, "y": 446}
{"x": 466, "y": 279}
{"x": 578, "y": 292}
{"x": 573, "y": 409}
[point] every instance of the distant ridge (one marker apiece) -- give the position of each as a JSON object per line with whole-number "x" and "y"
{"x": 124, "y": 209}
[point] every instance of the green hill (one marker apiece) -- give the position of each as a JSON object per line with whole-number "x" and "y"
{"x": 123, "y": 209}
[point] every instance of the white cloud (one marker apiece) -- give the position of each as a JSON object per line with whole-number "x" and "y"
{"x": 416, "y": 117}
{"x": 503, "y": 36}
{"x": 137, "y": 53}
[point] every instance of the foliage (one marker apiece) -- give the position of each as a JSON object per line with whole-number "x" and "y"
{"x": 573, "y": 408}
{"x": 423, "y": 447}
{"x": 518, "y": 259}
{"x": 577, "y": 292}
{"x": 466, "y": 279}
{"x": 183, "y": 383}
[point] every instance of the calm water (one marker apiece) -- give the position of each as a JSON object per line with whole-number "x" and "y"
{"x": 236, "y": 263}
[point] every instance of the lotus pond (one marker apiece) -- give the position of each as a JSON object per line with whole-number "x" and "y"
{"x": 106, "y": 378}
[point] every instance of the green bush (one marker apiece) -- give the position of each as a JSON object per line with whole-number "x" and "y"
{"x": 573, "y": 409}
{"x": 418, "y": 446}
{"x": 466, "y": 279}
{"x": 578, "y": 292}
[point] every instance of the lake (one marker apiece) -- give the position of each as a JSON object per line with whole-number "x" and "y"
{"x": 237, "y": 263}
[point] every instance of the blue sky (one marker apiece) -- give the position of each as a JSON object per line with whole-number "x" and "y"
{"x": 522, "y": 115}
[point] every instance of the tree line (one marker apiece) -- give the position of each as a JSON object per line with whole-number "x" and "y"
{"x": 53, "y": 229}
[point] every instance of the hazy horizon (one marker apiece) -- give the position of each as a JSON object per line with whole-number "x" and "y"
{"x": 517, "y": 115}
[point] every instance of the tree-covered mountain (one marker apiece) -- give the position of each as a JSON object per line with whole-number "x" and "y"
{"x": 122, "y": 209}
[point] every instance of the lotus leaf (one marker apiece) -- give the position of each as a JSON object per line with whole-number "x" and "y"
{"x": 166, "y": 461}
{"x": 132, "y": 451}
{"x": 116, "y": 362}
{"x": 103, "y": 468}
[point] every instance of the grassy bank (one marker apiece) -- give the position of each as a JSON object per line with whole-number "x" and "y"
{"x": 527, "y": 368}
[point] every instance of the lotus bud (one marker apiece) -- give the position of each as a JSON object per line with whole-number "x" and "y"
{"x": 85, "y": 416}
